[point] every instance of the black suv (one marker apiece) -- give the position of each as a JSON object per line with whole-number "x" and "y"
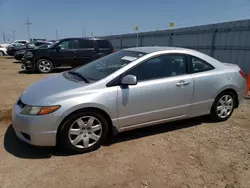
{"x": 66, "y": 52}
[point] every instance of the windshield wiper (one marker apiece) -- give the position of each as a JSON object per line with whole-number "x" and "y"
{"x": 79, "y": 75}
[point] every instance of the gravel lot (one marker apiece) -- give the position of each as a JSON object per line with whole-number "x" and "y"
{"x": 188, "y": 154}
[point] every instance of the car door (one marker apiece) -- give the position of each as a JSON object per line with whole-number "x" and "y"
{"x": 85, "y": 51}
{"x": 104, "y": 47}
{"x": 65, "y": 54}
{"x": 164, "y": 92}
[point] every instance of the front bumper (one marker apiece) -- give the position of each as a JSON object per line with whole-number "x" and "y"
{"x": 27, "y": 65}
{"x": 35, "y": 130}
{"x": 19, "y": 57}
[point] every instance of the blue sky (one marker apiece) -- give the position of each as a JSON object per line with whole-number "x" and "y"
{"x": 101, "y": 17}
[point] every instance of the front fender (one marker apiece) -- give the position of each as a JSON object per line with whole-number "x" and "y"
{"x": 88, "y": 105}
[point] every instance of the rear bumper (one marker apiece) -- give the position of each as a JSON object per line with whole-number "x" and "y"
{"x": 241, "y": 95}
{"x": 4, "y": 51}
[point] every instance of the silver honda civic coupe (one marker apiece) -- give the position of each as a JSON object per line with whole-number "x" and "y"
{"x": 128, "y": 89}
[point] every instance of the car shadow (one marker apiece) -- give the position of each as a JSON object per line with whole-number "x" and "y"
{"x": 25, "y": 72}
{"x": 18, "y": 148}
{"x": 157, "y": 129}
{"x": 61, "y": 69}
{"x": 17, "y": 62}
{"x": 57, "y": 70}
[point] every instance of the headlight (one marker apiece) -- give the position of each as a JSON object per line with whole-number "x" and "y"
{"x": 39, "y": 110}
{"x": 21, "y": 52}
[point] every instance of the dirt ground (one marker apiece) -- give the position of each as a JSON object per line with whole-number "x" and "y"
{"x": 186, "y": 154}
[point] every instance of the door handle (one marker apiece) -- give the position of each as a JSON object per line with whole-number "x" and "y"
{"x": 182, "y": 83}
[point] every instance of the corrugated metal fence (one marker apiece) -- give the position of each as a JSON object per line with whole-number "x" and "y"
{"x": 227, "y": 42}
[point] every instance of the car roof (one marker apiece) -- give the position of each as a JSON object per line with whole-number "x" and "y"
{"x": 42, "y": 41}
{"x": 84, "y": 38}
{"x": 156, "y": 49}
{"x": 151, "y": 49}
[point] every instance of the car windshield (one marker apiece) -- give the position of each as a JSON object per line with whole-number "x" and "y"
{"x": 100, "y": 68}
{"x": 54, "y": 44}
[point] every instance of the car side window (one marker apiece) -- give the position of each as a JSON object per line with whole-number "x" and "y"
{"x": 160, "y": 67}
{"x": 199, "y": 65}
{"x": 67, "y": 44}
{"x": 82, "y": 44}
{"x": 103, "y": 44}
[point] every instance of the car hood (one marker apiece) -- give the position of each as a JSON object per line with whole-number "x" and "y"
{"x": 38, "y": 49}
{"x": 49, "y": 90}
{"x": 17, "y": 47}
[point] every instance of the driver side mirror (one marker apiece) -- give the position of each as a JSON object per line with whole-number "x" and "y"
{"x": 129, "y": 80}
{"x": 58, "y": 47}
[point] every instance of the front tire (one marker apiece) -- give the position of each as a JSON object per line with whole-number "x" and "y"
{"x": 223, "y": 106}
{"x": 83, "y": 132}
{"x": 1, "y": 53}
{"x": 44, "y": 66}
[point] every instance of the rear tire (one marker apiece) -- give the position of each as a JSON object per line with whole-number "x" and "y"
{"x": 83, "y": 132}
{"x": 223, "y": 106}
{"x": 44, "y": 66}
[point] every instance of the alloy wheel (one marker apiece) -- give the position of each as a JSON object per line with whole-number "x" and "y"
{"x": 225, "y": 106}
{"x": 45, "y": 66}
{"x": 85, "y": 132}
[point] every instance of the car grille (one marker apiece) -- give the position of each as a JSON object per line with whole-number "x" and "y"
{"x": 20, "y": 104}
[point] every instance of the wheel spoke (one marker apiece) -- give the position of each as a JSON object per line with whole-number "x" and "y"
{"x": 221, "y": 101}
{"x": 229, "y": 107}
{"x": 74, "y": 131}
{"x": 86, "y": 142}
{"x": 90, "y": 122}
{"x": 219, "y": 108}
{"x": 230, "y": 101}
{"x": 80, "y": 123}
{"x": 221, "y": 113}
{"x": 77, "y": 140}
{"x": 96, "y": 128}
{"x": 226, "y": 98}
{"x": 94, "y": 137}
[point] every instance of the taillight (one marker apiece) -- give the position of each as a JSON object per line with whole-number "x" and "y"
{"x": 113, "y": 50}
{"x": 242, "y": 74}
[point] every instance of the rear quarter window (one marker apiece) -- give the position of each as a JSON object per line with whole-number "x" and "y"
{"x": 199, "y": 65}
{"x": 85, "y": 44}
{"x": 103, "y": 44}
